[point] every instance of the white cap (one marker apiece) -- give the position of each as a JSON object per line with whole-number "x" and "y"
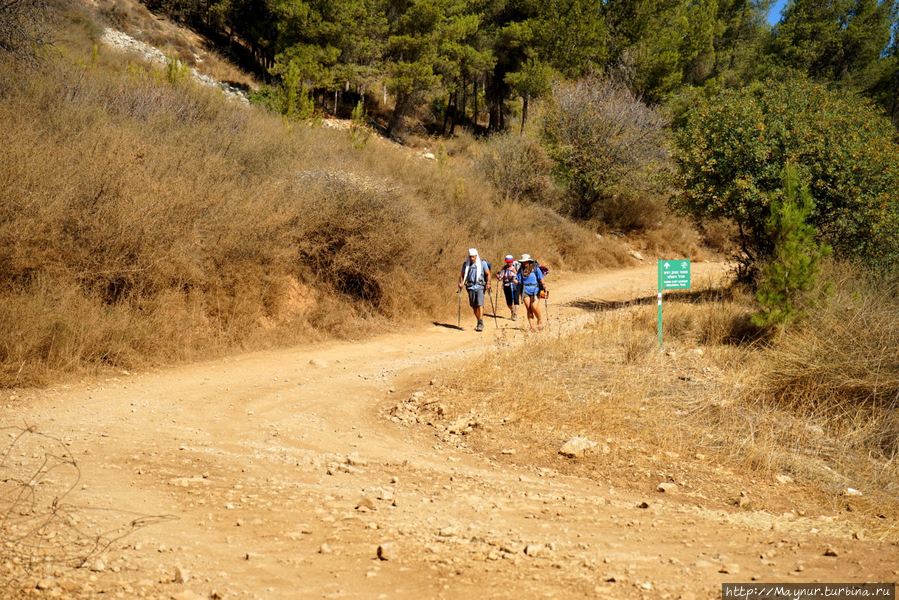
{"x": 472, "y": 252}
{"x": 524, "y": 258}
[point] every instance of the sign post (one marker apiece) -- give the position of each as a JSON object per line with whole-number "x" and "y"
{"x": 673, "y": 275}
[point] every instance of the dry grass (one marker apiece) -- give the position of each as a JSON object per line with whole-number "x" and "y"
{"x": 147, "y": 222}
{"x": 818, "y": 404}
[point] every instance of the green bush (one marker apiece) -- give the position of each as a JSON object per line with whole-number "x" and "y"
{"x": 733, "y": 146}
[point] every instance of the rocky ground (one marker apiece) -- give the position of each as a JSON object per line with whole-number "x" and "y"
{"x": 329, "y": 472}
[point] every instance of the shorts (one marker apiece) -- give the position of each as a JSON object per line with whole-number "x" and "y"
{"x": 476, "y": 298}
{"x": 513, "y": 295}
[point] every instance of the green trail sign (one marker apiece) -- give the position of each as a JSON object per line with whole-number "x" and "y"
{"x": 673, "y": 275}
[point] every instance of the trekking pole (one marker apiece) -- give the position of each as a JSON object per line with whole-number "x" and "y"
{"x": 459, "y": 319}
{"x": 493, "y": 304}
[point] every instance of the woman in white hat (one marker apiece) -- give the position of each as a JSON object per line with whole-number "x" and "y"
{"x": 530, "y": 278}
{"x": 508, "y": 275}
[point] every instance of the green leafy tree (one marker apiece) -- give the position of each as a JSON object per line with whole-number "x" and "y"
{"x": 795, "y": 264}
{"x": 885, "y": 84}
{"x": 837, "y": 40}
{"x": 293, "y": 99}
{"x": 534, "y": 80}
{"x": 730, "y": 151}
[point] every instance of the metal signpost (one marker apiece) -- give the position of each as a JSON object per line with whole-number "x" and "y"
{"x": 673, "y": 275}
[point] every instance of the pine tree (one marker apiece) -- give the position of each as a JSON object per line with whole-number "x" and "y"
{"x": 794, "y": 267}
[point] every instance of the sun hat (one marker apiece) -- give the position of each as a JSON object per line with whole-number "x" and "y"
{"x": 472, "y": 252}
{"x": 510, "y": 258}
{"x": 525, "y": 258}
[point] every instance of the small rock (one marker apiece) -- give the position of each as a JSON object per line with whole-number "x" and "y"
{"x": 366, "y": 504}
{"x": 667, "y": 488}
{"x": 181, "y": 575}
{"x": 99, "y": 566}
{"x": 534, "y": 550}
{"x": 576, "y": 446}
{"x": 355, "y": 461}
{"x": 187, "y": 595}
{"x": 388, "y": 551}
{"x": 784, "y": 479}
{"x": 318, "y": 362}
{"x": 830, "y": 551}
{"x": 643, "y": 504}
{"x": 731, "y": 568}
{"x": 324, "y": 549}
{"x": 636, "y": 255}
{"x": 853, "y": 492}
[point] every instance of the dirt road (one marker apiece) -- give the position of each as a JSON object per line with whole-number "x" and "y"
{"x": 281, "y": 475}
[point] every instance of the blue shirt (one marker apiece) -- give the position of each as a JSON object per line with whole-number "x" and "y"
{"x": 472, "y": 282}
{"x": 531, "y": 283}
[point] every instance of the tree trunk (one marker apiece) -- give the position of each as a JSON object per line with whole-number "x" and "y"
{"x": 403, "y": 100}
{"x": 455, "y": 115}
{"x": 446, "y": 114}
{"x": 524, "y": 113}
{"x": 474, "y": 103}
{"x": 463, "y": 115}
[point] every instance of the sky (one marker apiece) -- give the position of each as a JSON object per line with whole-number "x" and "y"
{"x": 774, "y": 15}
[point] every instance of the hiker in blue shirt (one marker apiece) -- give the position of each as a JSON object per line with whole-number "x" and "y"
{"x": 530, "y": 278}
{"x": 476, "y": 278}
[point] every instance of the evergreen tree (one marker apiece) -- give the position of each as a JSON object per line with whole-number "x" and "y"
{"x": 796, "y": 261}
{"x": 836, "y": 40}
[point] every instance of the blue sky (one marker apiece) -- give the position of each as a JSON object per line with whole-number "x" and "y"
{"x": 774, "y": 15}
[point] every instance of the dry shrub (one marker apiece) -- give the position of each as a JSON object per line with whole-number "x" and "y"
{"x": 673, "y": 236}
{"x": 518, "y": 168}
{"x": 843, "y": 364}
{"x": 719, "y": 236}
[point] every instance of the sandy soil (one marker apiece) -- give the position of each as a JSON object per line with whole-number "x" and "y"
{"x": 283, "y": 475}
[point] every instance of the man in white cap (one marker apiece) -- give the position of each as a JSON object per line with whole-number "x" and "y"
{"x": 476, "y": 278}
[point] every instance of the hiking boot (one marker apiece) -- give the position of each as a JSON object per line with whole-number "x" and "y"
{"x": 514, "y": 317}
{"x": 480, "y": 325}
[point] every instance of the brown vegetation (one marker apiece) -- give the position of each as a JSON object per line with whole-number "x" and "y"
{"x": 817, "y": 404}
{"x": 146, "y": 220}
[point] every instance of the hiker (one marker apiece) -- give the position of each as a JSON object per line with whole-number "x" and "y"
{"x": 476, "y": 278}
{"x": 508, "y": 275}
{"x": 530, "y": 278}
